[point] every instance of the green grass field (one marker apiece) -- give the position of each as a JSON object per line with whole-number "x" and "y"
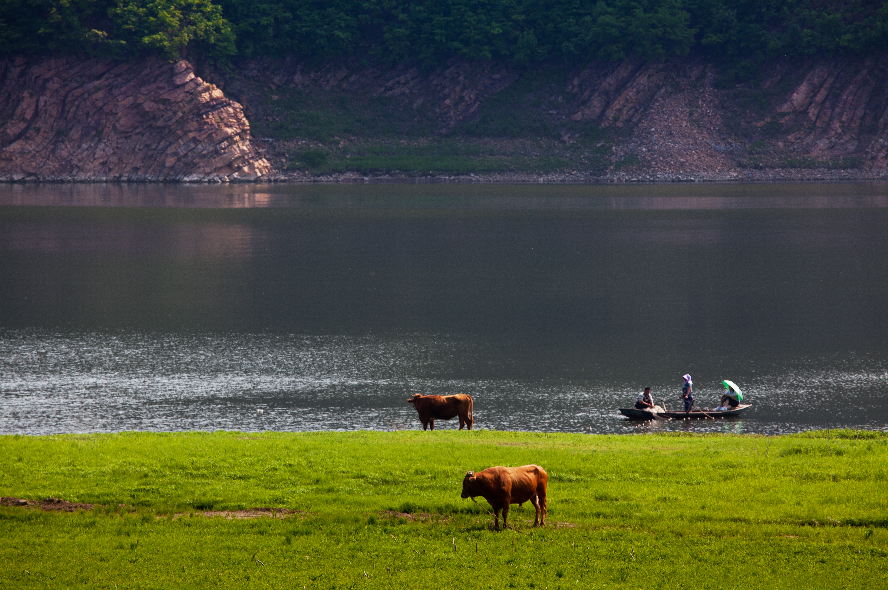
{"x": 382, "y": 510}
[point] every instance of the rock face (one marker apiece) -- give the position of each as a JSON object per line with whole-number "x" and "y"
{"x": 838, "y": 110}
{"x": 142, "y": 120}
{"x": 69, "y": 119}
{"x": 679, "y": 120}
{"x": 451, "y": 93}
{"x": 671, "y": 119}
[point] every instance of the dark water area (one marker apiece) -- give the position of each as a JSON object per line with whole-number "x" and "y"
{"x": 323, "y": 307}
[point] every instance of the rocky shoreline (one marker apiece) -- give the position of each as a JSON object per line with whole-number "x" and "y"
{"x": 752, "y": 176}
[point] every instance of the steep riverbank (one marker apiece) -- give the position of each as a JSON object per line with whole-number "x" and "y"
{"x": 350, "y": 121}
{"x": 146, "y": 120}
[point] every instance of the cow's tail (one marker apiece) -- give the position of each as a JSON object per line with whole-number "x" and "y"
{"x": 472, "y": 411}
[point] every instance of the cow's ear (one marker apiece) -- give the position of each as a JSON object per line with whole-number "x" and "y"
{"x": 470, "y": 474}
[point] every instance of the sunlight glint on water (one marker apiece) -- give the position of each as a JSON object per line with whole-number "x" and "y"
{"x": 286, "y": 307}
{"x": 98, "y": 383}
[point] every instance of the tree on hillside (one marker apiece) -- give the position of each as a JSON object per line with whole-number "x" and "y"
{"x": 169, "y": 27}
{"x": 117, "y": 28}
{"x": 433, "y": 31}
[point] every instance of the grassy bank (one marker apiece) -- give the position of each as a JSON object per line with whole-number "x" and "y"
{"x": 380, "y": 510}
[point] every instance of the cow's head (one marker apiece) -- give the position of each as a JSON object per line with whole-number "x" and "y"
{"x": 469, "y": 485}
{"x": 414, "y": 397}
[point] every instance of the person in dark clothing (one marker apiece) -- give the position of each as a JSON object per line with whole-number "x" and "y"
{"x": 687, "y": 395}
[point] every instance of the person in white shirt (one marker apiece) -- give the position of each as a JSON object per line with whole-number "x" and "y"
{"x": 644, "y": 400}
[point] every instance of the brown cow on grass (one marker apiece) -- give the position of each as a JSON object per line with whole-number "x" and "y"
{"x": 502, "y": 486}
{"x": 443, "y": 407}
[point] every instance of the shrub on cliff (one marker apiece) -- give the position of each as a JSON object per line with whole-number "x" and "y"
{"x": 116, "y": 28}
{"x": 169, "y": 27}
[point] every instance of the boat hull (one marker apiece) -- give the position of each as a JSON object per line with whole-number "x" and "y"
{"x": 634, "y": 414}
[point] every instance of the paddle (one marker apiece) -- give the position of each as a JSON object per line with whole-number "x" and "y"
{"x": 698, "y": 409}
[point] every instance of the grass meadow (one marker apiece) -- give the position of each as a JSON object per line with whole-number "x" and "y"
{"x": 382, "y": 510}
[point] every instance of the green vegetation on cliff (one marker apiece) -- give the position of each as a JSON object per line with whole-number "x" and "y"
{"x": 116, "y": 28}
{"x": 521, "y": 31}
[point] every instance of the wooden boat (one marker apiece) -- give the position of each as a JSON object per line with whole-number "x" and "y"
{"x": 634, "y": 414}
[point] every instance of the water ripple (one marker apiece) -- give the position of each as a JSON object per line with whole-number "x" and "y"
{"x": 95, "y": 382}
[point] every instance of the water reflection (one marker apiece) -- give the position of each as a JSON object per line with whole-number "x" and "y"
{"x": 202, "y": 241}
{"x": 430, "y": 195}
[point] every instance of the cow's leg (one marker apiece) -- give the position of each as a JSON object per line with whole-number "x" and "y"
{"x": 432, "y": 424}
{"x": 469, "y": 422}
{"x": 506, "y": 515}
{"x": 461, "y": 423}
{"x": 425, "y": 424}
{"x": 542, "y": 501}
{"x": 536, "y": 504}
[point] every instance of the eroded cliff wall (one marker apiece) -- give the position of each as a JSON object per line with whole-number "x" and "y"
{"x": 70, "y": 119}
{"x": 665, "y": 119}
{"x": 141, "y": 120}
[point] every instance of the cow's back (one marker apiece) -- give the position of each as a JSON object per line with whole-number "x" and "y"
{"x": 445, "y": 407}
{"x": 518, "y": 482}
{"x": 527, "y": 481}
{"x": 502, "y": 486}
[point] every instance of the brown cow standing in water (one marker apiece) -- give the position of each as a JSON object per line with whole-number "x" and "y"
{"x": 502, "y": 486}
{"x": 443, "y": 407}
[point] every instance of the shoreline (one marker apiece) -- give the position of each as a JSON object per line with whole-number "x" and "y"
{"x": 777, "y": 175}
{"x": 643, "y": 177}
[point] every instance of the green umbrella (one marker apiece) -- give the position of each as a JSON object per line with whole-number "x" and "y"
{"x": 733, "y": 390}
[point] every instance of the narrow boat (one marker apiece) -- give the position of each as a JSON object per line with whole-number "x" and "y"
{"x": 635, "y": 414}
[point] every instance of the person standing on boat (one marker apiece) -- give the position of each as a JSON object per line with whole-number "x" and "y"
{"x": 644, "y": 400}
{"x": 687, "y": 393}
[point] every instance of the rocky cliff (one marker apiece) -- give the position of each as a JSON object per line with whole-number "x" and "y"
{"x": 141, "y": 120}
{"x": 679, "y": 119}
{"x": 675, "y": 120}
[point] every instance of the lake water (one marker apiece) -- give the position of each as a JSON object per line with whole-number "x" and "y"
{"x": 324, "y": 307}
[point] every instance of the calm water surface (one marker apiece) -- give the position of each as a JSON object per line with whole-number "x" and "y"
{"x": 164, "y": 307}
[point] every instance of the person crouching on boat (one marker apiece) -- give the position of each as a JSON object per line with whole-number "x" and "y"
{"x": 687, "y": 393}
{"x": 644, "y": 400}
{"x": 729, "y": 399}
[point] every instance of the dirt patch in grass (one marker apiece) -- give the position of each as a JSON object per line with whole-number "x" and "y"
{"x": 56, "y": 505}
{"x": 49, "y": 504}
{"x": 411, "y": 517}
{"x": 562, "y": 525}
{"x": 245, "y": 514}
